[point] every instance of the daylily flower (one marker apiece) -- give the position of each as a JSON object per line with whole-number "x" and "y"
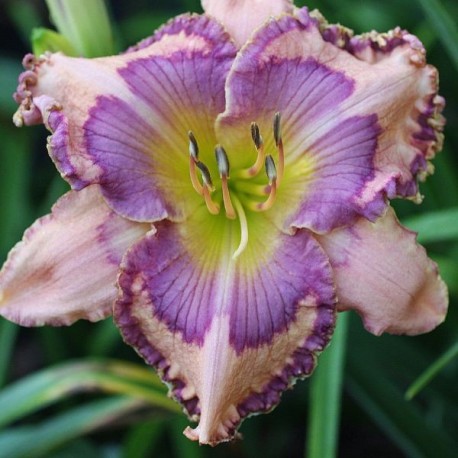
{"x": 231, "y": 180}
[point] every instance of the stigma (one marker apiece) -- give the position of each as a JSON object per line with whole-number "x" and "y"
{"x": 247, "y": 191}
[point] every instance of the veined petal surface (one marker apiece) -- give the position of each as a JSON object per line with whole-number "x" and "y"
{"x": 410, "y": 108}
{"x": 122, "y": 121}
{"x": 242, "y": 17}
{"x": 65, "y": 267}
{"x": 229, "y": 335}
{"x": 351, "y": 126}
{"x": 383, "y": 274}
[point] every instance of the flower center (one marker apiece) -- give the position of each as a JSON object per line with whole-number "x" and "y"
{"x": 254, "y": 196}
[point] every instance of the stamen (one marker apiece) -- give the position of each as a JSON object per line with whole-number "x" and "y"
{"x": 277, "y": 127}
{"x": 271, "y": 172}
{"x": 223, "y": 168}
{"x": 279, "y": 144}
{"x": 243, "y": 228}
{"x": 255, "y": 135}
{"x": 193, "y": 147}
{"x": 213, "y": 207}
{"x": 247, "y": 187}
{"x": 222, "y": 161}
{"x": 259, "y": 144}
{"x": 207, "y": 188}
{"x": 193, "y": 159}
{"x": 206, "y": 177}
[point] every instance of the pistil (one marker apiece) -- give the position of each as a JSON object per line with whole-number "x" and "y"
{"x": 251, "y": 192}
{"x": 243, "y": 228}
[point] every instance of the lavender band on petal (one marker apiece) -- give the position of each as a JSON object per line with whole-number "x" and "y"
{"x": 304, "y": 361}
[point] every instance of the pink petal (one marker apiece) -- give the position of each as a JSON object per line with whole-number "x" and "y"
{"x": 354, "y": 130}
{"x": 407, "y": 100}
{"x": 65, "y": 267}
{"x": 122, "y": 121}
{"x": 242, "y": 18}
{"x": 383, "y": 274}
{"x": 227, "y": 335}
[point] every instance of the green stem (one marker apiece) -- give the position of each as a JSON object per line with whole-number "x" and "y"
{"x": 325, "y": 396}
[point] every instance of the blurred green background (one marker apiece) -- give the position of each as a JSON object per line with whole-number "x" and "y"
{"x": 52, "y": 407}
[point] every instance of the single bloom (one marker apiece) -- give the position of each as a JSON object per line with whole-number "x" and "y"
{"x": 231, "y": 178}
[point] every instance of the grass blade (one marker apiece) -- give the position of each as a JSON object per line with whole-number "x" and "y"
{"x": 38, "y": 441}
{"x": 325, "y": 396}
{"x": 444, "y": 25}
{"x": 435, "y": 226}
{"x": 402, "y": 421}
{"x": 8, "y": 332}
{"x": 431, "y": 372}
{"x": 51, "y": 385}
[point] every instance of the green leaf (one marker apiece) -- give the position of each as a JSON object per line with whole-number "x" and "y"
{"x": 325, "y": 396}
{"x": 137, "y": 27}
{"x": 435, "y": 226}
{"x": 25, "y": 15}
{"x": 48, "y": 40}
{"x": 39, "y": 440}
{"x": 85, "y": 24}
{"x": 103, "y": 339}
{"x": 14, "y": 175}
{"x": 14, "y": 208}
{"x": 432, "y": 371}
{"x": 143, "y": 438}
{"x": 445, "y": 26}
{"x": 183, "y": 447}
{"x": 59, "y": 382}
{"x": 448, "y": 268}
{"x": 8, "y": 83}
{"x": 401, "y": 420}
{"x": 8, "y": 333}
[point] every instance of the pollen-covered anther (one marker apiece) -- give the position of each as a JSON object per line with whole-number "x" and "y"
{"x": 223, "y": 169}
{"x": 279, "y": 144}
{"x": 207, "y": 188}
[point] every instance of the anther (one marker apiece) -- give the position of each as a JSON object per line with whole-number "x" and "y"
{"x": 223, "y": 168}
{"x": 193, "y": 147}
{"x": 279, "y": 144}
{"x": 277, "y": 128}
{"x": 222, "y": 161}
{"x": 206, "y": 177}
{"x": 207, "y": 188}
{"x": 271, "y": 172}
{"x": 255, "y": 135}
{"x": 193, "y": 159}
{"x": 259, "y": 144}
